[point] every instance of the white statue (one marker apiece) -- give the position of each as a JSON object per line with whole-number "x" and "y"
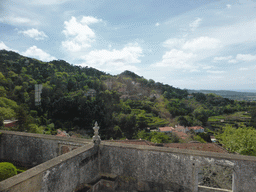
{"x": 96, "y": 138}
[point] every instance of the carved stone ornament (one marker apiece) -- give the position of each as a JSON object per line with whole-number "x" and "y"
{"x": 96, "y": 138}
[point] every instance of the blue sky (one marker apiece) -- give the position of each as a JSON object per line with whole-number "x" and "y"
{"x": 193, "y": 44}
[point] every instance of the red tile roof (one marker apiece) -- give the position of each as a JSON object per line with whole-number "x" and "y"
{"x": 195, "y": 128}
{"x": 10, "y": 123}
{"x": 166, "y": 129}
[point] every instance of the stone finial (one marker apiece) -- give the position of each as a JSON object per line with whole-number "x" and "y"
{"x": 96, "y": 138}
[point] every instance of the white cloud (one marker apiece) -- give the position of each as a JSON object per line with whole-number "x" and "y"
{"x": 177, "y": 59}
{"x": 215, "y": 72}
{"x": 243, "y": 69}
{"x": 239, "y": 57}
{"x": 157, "y": 24}
{"x": 34, "y": 33}
{"x": 45, "y": 2}
{"x": 206, "y": 67}
{"x": 228, "y": 6}
{"x": 79, "y": 35}
{"x": 18, "y": 21}
{"x": 38, "y": 53}
{"x": 195, "y": 24}
{"x": 173, "y": 43}
{"x": 184, "y": 54}
{"x": 239, "y": 32}
{"x": 3, "y": 46}
{"x": 115, "y": 60}
{"x": 232, "y": 61}
{"x": 202, "y": 43}
{"x": 222, "y": 58}
{"x": 214, "y": 78}
{"x": 90, "y": 20}
{"x": 246, "y": 57}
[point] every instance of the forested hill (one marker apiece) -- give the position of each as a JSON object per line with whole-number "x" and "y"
{"x": 74, "y": 97}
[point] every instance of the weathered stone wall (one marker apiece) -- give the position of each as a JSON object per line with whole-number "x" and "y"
{"x": 65, "y": 173}
{"x": 148, "y": 170}
{"x": 154, "y": 168}
{"x": 144, "y": 168}
{"x": 30, "y": 150}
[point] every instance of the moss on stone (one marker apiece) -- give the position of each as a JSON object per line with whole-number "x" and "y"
{"x": 7, "y": 170}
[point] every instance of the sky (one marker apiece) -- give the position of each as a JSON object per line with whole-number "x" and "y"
{"x": 189, "y": 44}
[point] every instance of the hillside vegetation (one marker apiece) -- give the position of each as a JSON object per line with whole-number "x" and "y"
{"x": 123, "y": 104}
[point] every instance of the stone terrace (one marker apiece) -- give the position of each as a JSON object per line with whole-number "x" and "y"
{"x": 115, "y": 166}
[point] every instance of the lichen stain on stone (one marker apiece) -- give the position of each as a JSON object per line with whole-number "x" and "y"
{"x": 226, "y": 162}
{"x": 175, "y": 156}
{"x": 46, "y": 175}
{"x": 209, "y": 160}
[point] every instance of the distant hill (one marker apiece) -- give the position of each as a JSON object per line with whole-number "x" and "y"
{"x": 235, "y": 95}
{"x": 74, "y": 97}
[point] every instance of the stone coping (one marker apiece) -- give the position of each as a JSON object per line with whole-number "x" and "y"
{"x": 40, "y": 169}
{"x": 227, "y": 156}
{"x": 140, "y": 147}
{"x": 51, "y": 137}
{"x": 214, "y": 189}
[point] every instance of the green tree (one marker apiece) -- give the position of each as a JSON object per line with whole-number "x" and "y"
{"x": 1, "y": 122}
{"x": 200, "y": 139}
{"x": 7, "y": 113}
{"x": 201, "y": 114}
{"x": 241, "y": 140}
{"x": 160, "y": 138}
{"x": 33, "y": 128}
{"x": 143, "y": 135}
{"x": 2, "y": 79}
{"x": 22, "y": 118}
{"x": 206, "y": 137}
{"x": 253, "y": 116}
{"x": 2, "y": 91}
{"x": 142, "y": 121}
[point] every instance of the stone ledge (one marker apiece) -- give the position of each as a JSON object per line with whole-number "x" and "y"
{"x": 40, "y": 169}
{"x": 182, "y": 151}
{"x": 51, "y": 137}
{"x": 211, "y": 189}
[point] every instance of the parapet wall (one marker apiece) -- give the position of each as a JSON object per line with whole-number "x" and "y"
{"x": 57, "y": 172}
{"x": 65, "y": 173}
{"x": 138, "y": 167}
{"x": 27, "y": 149}
{"x": 147, "y": 167}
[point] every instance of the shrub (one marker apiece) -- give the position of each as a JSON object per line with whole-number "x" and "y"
{"x": 160, "y": 138}
{"x": 200, "y": 139}
{"x": 7, "y": 170}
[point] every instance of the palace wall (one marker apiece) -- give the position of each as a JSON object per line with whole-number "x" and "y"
{"x": 148, "y": 167}
{"x": 138, "y": 167}
{"x": 28, "y": 149}
{"x": 54, "y": 169}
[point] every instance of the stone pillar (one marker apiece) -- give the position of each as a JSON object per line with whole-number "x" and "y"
{"x": 195, "y": 169}
{"x": 96, "y": 138}
{"x": 234, "y": 181}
